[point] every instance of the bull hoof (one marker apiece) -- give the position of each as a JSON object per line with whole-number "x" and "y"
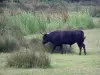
{"x": 79, "y": 53}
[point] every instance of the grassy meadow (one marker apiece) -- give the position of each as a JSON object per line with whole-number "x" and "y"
{"x": 31, "y": 23}
{"x": 66, "y": 64}
{"x": 21, "y": 25}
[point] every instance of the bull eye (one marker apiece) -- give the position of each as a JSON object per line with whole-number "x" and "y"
{"x": 45, "y": 36}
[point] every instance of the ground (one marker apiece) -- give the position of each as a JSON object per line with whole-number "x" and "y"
{"x": 66, "y": 64}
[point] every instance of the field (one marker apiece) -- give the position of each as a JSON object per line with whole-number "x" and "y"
{"x": 21, "y": 50}
{"x": 66, "y": 64}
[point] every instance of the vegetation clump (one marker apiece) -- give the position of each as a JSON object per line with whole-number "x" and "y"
{"x": 11, "y": 37}
{"x": 29, "y": 59}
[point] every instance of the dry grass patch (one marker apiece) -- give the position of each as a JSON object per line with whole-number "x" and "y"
{"x": 29, "y": 59}
{"x": 11, "y": 37}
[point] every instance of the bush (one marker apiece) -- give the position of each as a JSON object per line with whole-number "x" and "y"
{"x": 29, "y": 23}
{"x": 34, "y": 56}
{"x": 80, "y": 20}
{"x": 73, "y": 20}
{"x": 94, "y": 11}
{"x": 34, "y": 23}
{"x": 11, "y": 36}
{"x": 29, "y": 59}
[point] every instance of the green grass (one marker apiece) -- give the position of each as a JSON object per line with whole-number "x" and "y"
{"x": 31, "y": 23}
{"x": 76, "y": 20}
{"x": 66, "y": 64}
{"x": 80, "y": 20}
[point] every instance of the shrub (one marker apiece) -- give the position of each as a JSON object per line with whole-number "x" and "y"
{"x": 29, "y": 23}
{"x": 29, "y": 59}
{"x": 34, "y": 23}
{"x": 34, "y": 56}
{"x": 1, "y": 10}
{"x": 10, "y": 35}
{"x": 80, "y": 20}
{"x": 94, "y": 11}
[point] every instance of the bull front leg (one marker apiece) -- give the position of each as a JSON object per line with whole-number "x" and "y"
{"x": 80, "y": 47}
{"x": 61, "y": 46}
{"x": 53, "y": 49}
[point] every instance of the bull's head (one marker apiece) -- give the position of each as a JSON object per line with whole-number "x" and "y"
{"x": 45, "y": 39}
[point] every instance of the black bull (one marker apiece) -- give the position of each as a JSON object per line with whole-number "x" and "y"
{"x": 58, "y": 38}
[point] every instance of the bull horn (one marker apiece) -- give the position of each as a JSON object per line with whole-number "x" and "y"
{"x": 41, "y": 33}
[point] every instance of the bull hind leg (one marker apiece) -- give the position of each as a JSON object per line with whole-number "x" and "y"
{"x": 80, "y": 47}
{"x": 83, "y": 45}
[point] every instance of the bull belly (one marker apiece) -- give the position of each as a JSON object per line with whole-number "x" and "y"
{"x": 69, "y": 43}
{"x": 63, "y": 42}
